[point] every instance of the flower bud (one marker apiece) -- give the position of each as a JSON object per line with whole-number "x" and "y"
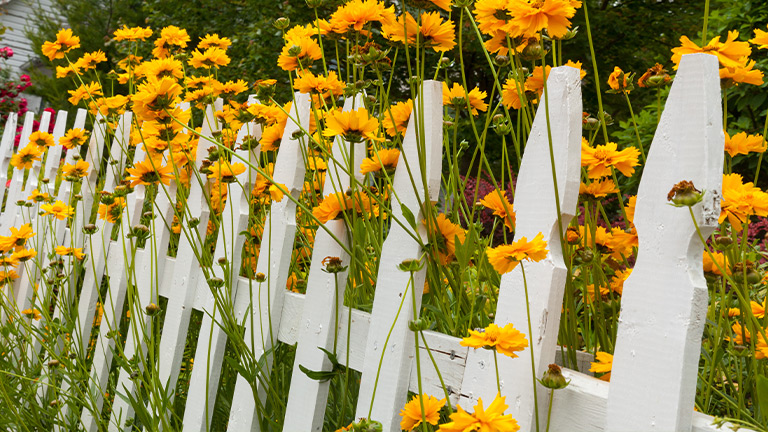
{"x": 90, "y": 229}
{"x": 553, "y": 378}
{"x": 261, "y": 277}
{"x": 410, "y": 265}
{"x": 685, "y": 194}
{"x": 152, "y": 309}
{"x": 282, "y": 23}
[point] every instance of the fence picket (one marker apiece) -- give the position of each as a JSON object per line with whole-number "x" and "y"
{"x": 325, "y": 294}
{"x": 389, "y": 379}
{"x": 6, "y": 151}
{"x": 12, "y": 210}
{"x": 664, "y": 304}
{"x": 537, "y": 212}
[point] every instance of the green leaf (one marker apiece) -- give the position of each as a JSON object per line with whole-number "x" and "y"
{"x": 408, "y": 215}
{"x": 762, "y": 395}
{"x": 321, "y": 376}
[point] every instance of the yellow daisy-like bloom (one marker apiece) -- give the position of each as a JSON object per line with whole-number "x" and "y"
{"x": 598, "y": 188}
{"x": 530, "y": 17}
{"x": 41, "y": 139}
{"x": 149, "y": 172}
{"x": 505, "y": 340}
{"x": 65, "y": 42}
{"x": 445, "y": 234}
{"x": 78, "y": 170}
{"x": 714, "y": 266}
{"x": 211, "y": 57}
{"x": 354, "y": 126}
{"x": 498, "y": 202}
{"x": 7, "y": 277}
{"x": 741, "y": 143}
{"x": 592, "y": 292}
{"x": 758, "y": 310}
{"x": 225, "y": 172}
{"x": 433, "y": 32}
{"x": 132, "y": 34}
{"x": 485, "y": 420}
{"x": 618, "y": 81}
{"x": 740, "y": 201}
{"x": 37, "y": 196}
{"x": 603, "y": 365}
{"x": 535, "y": 82}
{"x": 264, "y": 191}
{"x": 65, "y": 71}
{"x": 26, "y": 156}
{"x": 617, "y": 283}
{"x": 89, "y": 60}
{"x": 85, "y": 91}
{"x": 356, "y": 14}
{"x": 271, "y": 137}
{"x": 164, "y": 67}
{"x": 742, "y": 74}
{"x": 442, "y": 4}
{"x": 18, "y": 238}
{"x": 299, "y": 51}
{"x": 600, "y": 159}
{"x": 335, "y": 204}
{"x": 69, "y": 251}
{"x": 622, "y": 243}
{"x": 511, "y": 93}
{"x": 411, "y": 412}
{"x": 24, "y": 255}
{"x": 577, "y": 65}
{"x": 385, "y": 159}
{"x": 231, "y": 88}
{"x": 731, "y": 53}
{"x": 112, "y": 212}
{"x": 396, "y": 119}
{"x": 213, "y": 40}
{"x": 504, "y": 258}
{"x": 173, "y": 35}
{"x": 760, "y": 39}
{"x": 59, "y": 210}
{"x": 111, "y": 106}
{"x": 307, "y": 82}
{"x": 458, "y": 97}
{"x": 32, "y": 314}
{"x": 494, "y": 17}
{"x": 154, "y": 96}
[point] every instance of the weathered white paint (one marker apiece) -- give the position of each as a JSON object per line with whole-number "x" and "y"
{"x": 664, "y": 303}
{"x": 537, "y": 212}
{"x": 394, "y": 353}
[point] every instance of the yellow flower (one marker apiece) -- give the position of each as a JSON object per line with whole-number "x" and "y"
{"x": 164, "y": 67}
{"x": 76, "y": 171}
{"x": 505, "y": 340}
{"x": 85, "y": 91}
{"x": 352, "y": 125}
{"x": 600, "y": 159}
{"x": 356, "y": 14}
{"x": 412, "y": 414}
{"x": 41, "y": 139}
{"x": 23, "y": 255}
{"x": 535, "y": 82}
{"x": 530, "y": 17}
{"x": 18, "y": 238}
{"x": 494, "y": 17}
{"x": 711, "y": 266}
{"x": 385, "y": 159}
{"x": 742, "y": 74}
{"x": 65, "y": 71}
{"x": 598, "y": 188}
{"x": 225, "y": 172}
{"x": 132, "y": 34}
{"x": 396, "y": 118}
{"x": 498, "y": 202}
{"x": 112, "y": 212}
{"x": 154, "y": 96}
{"x": 89, "y": 60}
{"x": 504, "y": 258}
{"x": 758, "y": 310}
{"x": 59, "y": 210}
{"x": 458, "y": 97}
{"x": 433, "y": 32}
{"x": 511, "y": 94}
{"x": 301, "y": 51}
{"x": 577, "y": 65}
{"x": 603, "y": 365}
{"x": 307, "y": 82}
{"x": 32, "y": 314}
{"x": 212, "y": 57}
{"x": 69, "y": 251}
{"x": 173, "y": 35}
{"x": 231, "y": 88}
{"x": 335, "y": 204}
{"x": 7, "y": 277}
{"x": 26, "y": 156}
{"x": 37, "y": 196}
{"x": 741, "y": 200}
{"x": 617, "y": 283}
{"x": 148, "y": 172}
{"x": 731, "y": 53}
{"x": 213, "y": 40}
{"x": 741, "y": 143}
{"x": 760, "y": 39}
{"x": 619, "y": 81}
{"x": 74, "y": 138}
{"x": 445, "y": 233}
{"x": 484, "y": 420}
{"x": 64, "y": 43}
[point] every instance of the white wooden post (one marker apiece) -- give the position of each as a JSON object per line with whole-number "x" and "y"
{"x": 664, "y": 304}
{"x": 537, "y": 212}
{"x": 390, "y": 382}
{"x": 274, "y": 261}
{"x": 6, "y": 151}
{"x": 17, "y": 179}
{"x": 325, "y": 294}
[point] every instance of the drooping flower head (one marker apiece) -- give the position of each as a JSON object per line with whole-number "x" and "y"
{"x": 412, "y": 414}
{"x": 64, "y": 43}
{"x": 599, "y": 160}
{"x": 458, "y": 97}
{"x": 505, "y": 258}
{"x": 505, "y": 340}
{"x": 731, "y": 53}
{"x": 354, "y": 126}
{"x": 498, "y": 202}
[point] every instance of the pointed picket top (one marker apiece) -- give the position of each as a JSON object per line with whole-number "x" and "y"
{"x": 664, "y": 303}
{"x": 536, "y": 208}
{"x": 6, "y": 149}
{"x": 307, "y": 397}
{"x": 12, "y": 210}
{"x": 53, "y": 159}
{"x": 390, "y": 382}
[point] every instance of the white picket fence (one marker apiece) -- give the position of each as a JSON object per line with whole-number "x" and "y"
{"x": 663, "y": 306}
